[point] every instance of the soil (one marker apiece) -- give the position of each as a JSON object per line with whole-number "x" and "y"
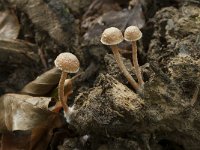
{"x": 108, "y": 113}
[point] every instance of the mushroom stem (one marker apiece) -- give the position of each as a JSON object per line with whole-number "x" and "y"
{"x": 135, "y": 63}
{"x": 61, "y": 91}
{"x": 122, "y": 67}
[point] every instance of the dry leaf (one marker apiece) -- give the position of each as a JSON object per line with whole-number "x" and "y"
{"x": 23, "y": 112}
{"x": 43, "y": 84}
{"x": 28, "y": 114}
{"x": 9, "y": 25}
{"x": 36, "y": 139}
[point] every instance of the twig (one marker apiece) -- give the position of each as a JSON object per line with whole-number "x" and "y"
{"x": 42, "y": 57}
{"x": 195, "y": 96}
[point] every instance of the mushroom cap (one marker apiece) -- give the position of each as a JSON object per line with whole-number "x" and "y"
{"x": 132, "y": 33}
{"x": 111, "y": 36}
{"x": 67, "y": 62}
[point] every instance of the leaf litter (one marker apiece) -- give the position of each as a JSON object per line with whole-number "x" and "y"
{"x": 27, "y": 113}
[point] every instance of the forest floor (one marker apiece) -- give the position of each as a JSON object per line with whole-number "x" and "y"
{"x": 108, "y": 114}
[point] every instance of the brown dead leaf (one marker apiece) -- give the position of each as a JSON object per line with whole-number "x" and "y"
{"x": 23, "y": 112}
{"x": 30, "y": 115}
{"x": 46, "y": 82}
{"x": 43, "y": 84}
{"x": 36, "y": 139}
{"x": 9, "y": 25}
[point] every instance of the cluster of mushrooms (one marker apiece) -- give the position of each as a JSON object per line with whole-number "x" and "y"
{"x": 113, "y": 36}
{"x": 68, "y": 62}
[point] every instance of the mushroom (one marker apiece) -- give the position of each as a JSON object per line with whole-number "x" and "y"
{"x": 132, "y": 34}
{"x": 113, "y": 36}
{"x": 67, "y": 63}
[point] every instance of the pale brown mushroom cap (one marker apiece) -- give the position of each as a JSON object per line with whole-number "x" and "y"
{"x": 132, "y": 33}
{"x": 67, "y": 62}
{"x": 111, "y": 36}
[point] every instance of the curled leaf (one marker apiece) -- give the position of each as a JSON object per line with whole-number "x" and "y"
{"x": 9, "y": 25}
{"x": 26, "y": 122}
{"x": 23, "y": 112}
{"x": 43, "y": 84}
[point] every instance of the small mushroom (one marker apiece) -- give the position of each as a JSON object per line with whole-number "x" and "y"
{"x": 67, "y": 63}
{"x": 132, "y": 34}
{"x": 113, "y": 36}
